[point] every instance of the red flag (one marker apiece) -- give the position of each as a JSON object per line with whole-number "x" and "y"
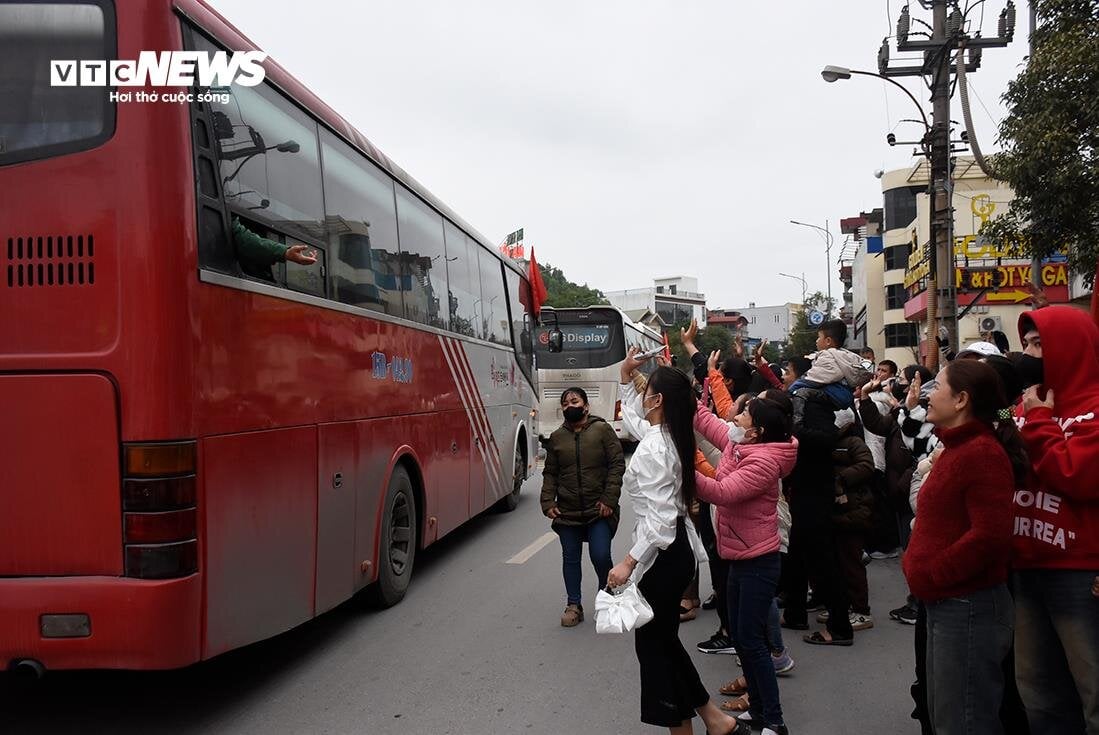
{"x": 537, "y": 285}
{"x": 667, "y": 349}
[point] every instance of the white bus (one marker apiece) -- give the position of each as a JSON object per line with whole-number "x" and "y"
{"x": 595, "y": 340}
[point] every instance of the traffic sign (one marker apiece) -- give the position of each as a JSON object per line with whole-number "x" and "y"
{"x": 816, "y": 318}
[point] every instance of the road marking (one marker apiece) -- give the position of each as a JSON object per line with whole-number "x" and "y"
{"x": 540, "y": 543}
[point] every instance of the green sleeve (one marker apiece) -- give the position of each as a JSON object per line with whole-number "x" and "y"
{"x": 255, "y": 249}
{"x": 549, "y": 479}
{"x": 616, "y": 467}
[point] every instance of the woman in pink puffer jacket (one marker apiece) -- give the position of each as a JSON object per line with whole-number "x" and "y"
{"x": 757, "y": 452}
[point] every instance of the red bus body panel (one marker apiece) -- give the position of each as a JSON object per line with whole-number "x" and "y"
{"x": 67, "y": 519}
{"x": 296, "y": 437}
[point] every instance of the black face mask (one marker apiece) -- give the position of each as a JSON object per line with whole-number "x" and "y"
{"x": 899, "y": 391}
{"x": 1031, "y": 370}
{"x": 574, "y": 414}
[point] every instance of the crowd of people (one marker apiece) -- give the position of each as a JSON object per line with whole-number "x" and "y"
{"x": 785, "y": 482}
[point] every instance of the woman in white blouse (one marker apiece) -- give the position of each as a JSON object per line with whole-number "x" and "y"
{"x": 665, "y": 547}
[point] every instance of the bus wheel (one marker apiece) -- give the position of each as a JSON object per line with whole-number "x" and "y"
{"x": 397, "y": 548}
{"x": 510, "y": 501}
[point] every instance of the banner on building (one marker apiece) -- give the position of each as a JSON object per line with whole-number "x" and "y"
{"x": 512, "y": 246}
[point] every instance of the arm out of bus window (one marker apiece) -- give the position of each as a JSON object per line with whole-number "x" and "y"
{"x": 632, "y": 414}
{"x": 255, "y": 249}
{"x": 616, "y": 466}
{"x": 549, "y": 481}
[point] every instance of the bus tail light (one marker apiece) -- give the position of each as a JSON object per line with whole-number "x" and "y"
{"x": 618, "y": 410}
{"x": 160, "y": 516}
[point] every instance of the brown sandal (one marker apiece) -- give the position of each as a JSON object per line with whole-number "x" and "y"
{"x": 734, "y": 688}
{"x": 740, "y": 704}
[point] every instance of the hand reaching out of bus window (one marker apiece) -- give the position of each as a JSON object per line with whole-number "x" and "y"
{"x": 301, "y": 254}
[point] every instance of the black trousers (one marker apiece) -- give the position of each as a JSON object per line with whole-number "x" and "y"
{"x": 671, "y": 689}
{"x": 719, "y": 568}
{"x": 813, "y": 556}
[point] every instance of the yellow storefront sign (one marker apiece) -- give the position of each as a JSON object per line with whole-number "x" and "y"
{"x": 1009, "y": 276}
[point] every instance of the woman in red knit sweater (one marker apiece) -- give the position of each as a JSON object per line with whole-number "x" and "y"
{"x": 957, "y": 559}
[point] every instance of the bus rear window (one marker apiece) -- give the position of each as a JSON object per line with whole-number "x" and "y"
{"x": 37, "y": 119}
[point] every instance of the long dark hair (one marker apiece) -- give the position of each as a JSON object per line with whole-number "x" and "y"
{"x": 679, "y": 417}
{"x": 986, "y": 396}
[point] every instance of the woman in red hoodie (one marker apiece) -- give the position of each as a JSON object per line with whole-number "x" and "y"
{"x": 745, "y": 492}
{"x": 957, "y": 559}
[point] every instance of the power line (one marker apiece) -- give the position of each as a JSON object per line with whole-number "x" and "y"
{"x": 982, "y": 103}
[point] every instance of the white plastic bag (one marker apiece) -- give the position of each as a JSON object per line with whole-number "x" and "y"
{"x": 622, "y": 610}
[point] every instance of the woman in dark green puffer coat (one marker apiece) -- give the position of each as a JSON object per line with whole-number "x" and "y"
{"x": 581, "y": 483}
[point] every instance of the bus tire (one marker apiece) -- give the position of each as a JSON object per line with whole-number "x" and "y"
{"x": 510, "y": 501}
{"x": 397, "y": 546}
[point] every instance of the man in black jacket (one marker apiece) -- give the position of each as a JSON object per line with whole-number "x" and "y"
{"x": 812, "y": 499}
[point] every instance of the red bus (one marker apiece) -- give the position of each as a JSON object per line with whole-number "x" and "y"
{"x": 201, "y": 449}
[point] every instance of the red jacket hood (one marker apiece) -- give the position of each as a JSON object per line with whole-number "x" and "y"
{"x": 1070, "y": 356}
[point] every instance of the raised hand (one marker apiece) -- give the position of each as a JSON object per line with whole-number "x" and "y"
{"x": 715, "y": 358}
{"x": 913, "y": 392}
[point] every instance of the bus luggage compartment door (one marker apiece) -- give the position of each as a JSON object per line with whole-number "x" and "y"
{"x": 59, "y": 459}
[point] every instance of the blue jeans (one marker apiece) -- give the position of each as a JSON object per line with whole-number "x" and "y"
{"x": 1057, "y": 650}
{"x": 967, "y": 640}
{"x": 598, "y": 535}
{"x": 751, "y": 598}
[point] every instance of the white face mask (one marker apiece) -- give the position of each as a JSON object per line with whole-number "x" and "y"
{"x": 649, "y": 410}
{"x": 736, "y": 433}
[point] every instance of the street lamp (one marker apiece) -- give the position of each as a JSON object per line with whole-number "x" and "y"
{"x": 827, "y": 256}
{"x": 835, "y": 73}
{"x": 804, "y": 284}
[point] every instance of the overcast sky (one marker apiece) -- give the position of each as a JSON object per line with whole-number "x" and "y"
{"x": 634, "y": 139}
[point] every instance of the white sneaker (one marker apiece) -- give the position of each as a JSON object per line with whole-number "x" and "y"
{"x": 860, "y": 621}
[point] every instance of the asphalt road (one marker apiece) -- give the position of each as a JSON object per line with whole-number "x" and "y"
{"x": 475, "y": 647}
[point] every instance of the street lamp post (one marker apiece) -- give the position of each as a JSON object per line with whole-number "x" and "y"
{"x": 827, "y": 256}
{"x": 804, "y": 284}
{"x": 935, "y": 145}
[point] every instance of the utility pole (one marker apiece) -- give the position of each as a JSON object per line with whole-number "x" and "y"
{"x": 947, "y": 32}
{"x": 941, "y": 191}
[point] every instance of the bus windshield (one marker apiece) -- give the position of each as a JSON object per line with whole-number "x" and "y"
{"x": 593, "y": 339}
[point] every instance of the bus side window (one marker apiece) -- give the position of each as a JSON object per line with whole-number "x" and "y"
{"x": 463, "y": 281}
{"x": 268, "y": 173}
{"x": 423, "y": 260}
{"x": 361, "y": 229}
{"x": 493, "y": 308}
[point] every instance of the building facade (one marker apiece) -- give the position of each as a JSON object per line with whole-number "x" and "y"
{"x": 772, "y": 323}
{"x": 991, "y": 281}
{"x": 676, "y": 299}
